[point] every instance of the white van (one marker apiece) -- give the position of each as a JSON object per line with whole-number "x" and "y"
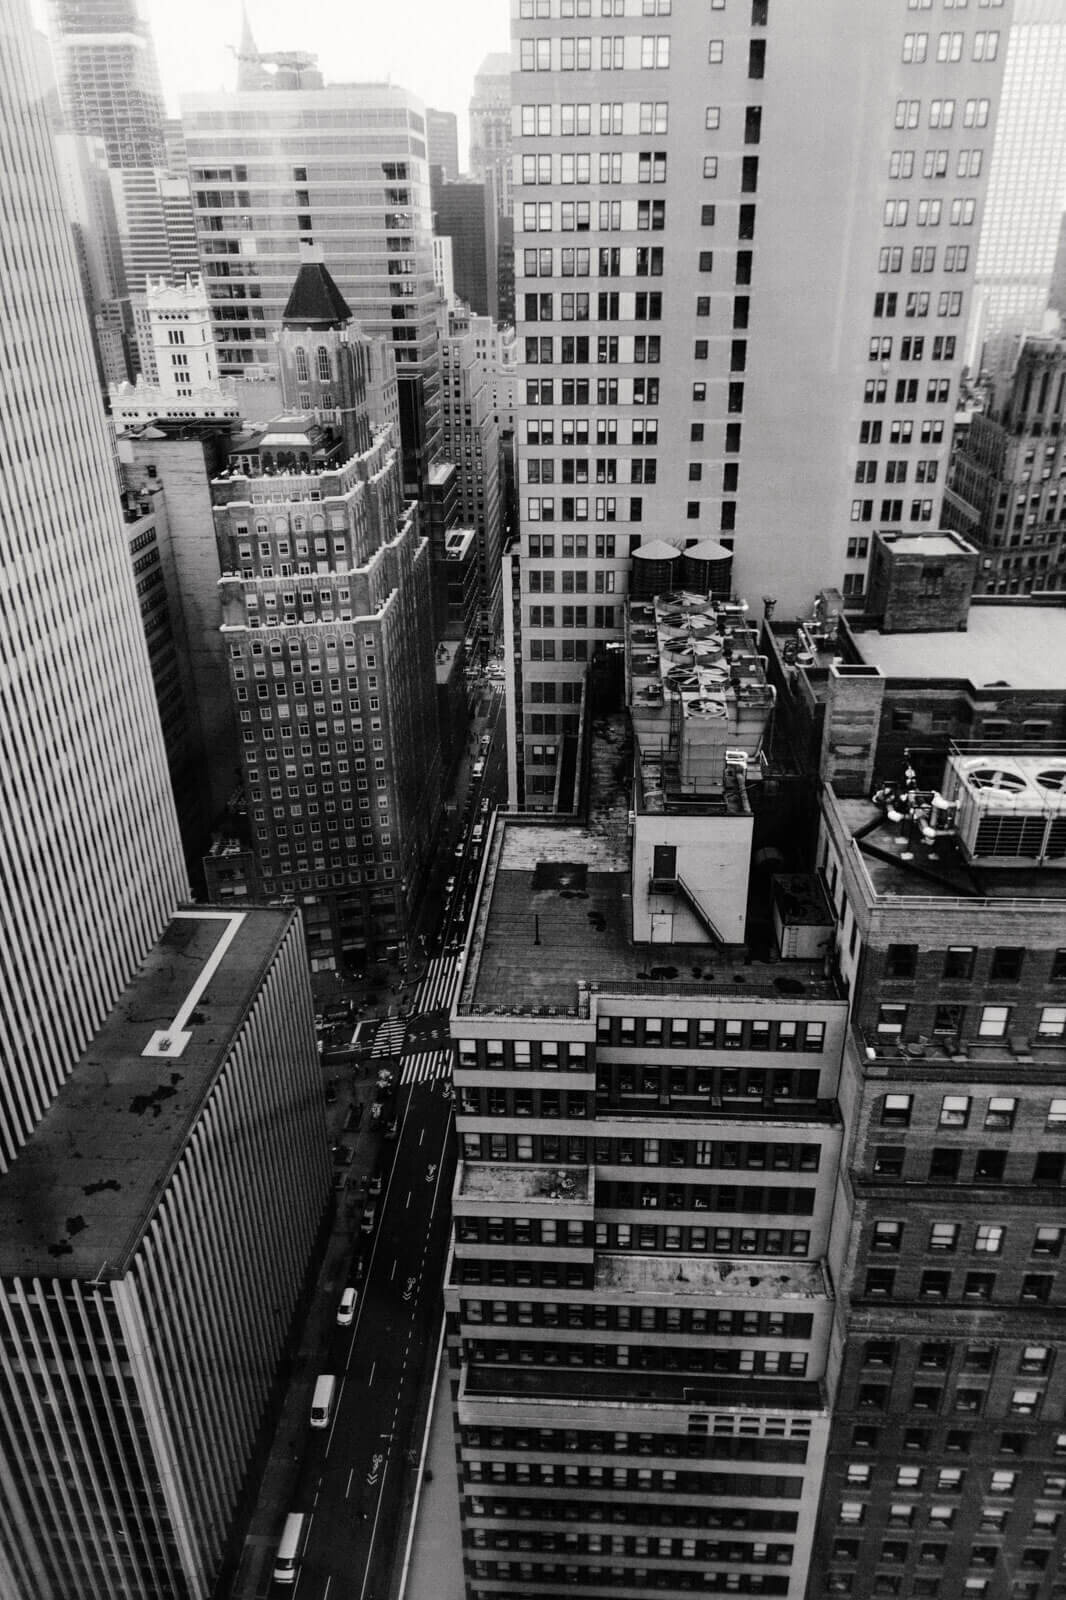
{"x": 322, "y": 1401}
{"x": 291, "y": 1548}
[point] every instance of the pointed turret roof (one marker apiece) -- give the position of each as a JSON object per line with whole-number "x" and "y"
{"x": 315, "y": 301}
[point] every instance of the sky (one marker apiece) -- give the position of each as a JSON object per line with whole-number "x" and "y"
{"x": 432, "y": 47}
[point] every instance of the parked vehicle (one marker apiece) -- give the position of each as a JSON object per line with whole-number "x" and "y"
{"x": 369, "y": 1217}
{"x": 291, "y": 1548}
{"x": 346, "y": 1309}
{"x": 322, "y": 1400}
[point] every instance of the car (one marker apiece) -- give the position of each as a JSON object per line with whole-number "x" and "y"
{"x": 342, "y": 1155}
{"x": 374, "y": 1186}
{"x": 369, "y": 1218}
{"x": 393, "y": 1129}
{"x": 346, "y": 1309}
{"x": 478, "y": 769}
{"x": 485, "y": 806}
{"x": 460, "y": 849}
{"x": 486, "y": 742}
{"x": 358, "y": 1268}
{"x": 449, "y": 887}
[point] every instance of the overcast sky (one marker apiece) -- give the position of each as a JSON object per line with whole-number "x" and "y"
{"x": 433, "y": 49}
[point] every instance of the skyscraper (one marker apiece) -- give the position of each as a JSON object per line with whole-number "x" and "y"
{"x": 145, "y": 1307}
{"x": 326, "y": 606}
{"x": 490, "y": 128}
{"x": 1027, "y": 173}
{"x": 744, "y": 244}
{"x": 343, "y": 167}
{"x": 92, "y": 864}
{"x": 109, "y": 78}
{"x": 442, "y": 142}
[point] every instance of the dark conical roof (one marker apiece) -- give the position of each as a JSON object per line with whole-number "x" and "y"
{"x": 315, "y": 301}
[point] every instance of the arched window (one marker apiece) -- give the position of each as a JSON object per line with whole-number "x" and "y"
{"x": 324, "y": 373}
{"x": 302, "y": 374}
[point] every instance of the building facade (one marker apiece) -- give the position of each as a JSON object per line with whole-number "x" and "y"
{"x": 442, "y": 142}
{"x": 638, "y": 1306}
{"x": 92, "y": 863}
{"x": 464, "y": 213}
{"x": 1006, "y": 491}
{"x": 109, "y": 79}
{"x": 696, "y": 255}
{"x": 327, "y": 605}
{"x": 344, "y": 168}
{"x": 471, "y": 441}
{"x": 490, "y": 128}
{"x": 1027, "y": 174}
{"x": 944, "y": 1474}
{"x": 142, "y": 1333}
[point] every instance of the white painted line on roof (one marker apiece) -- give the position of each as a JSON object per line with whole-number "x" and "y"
{"x": 169, "y": 1043}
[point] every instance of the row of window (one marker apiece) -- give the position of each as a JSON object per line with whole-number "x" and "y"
{"x": 936, "y": 1284}
{"x": 691, "y": 1240}
{"x": 941, "y": 113}
{"x": 571, "y": 616}
{"x": 571, "y": 546}
{"x": 642, "y": 1544}
{"x": 962, "y": 962}
{"x": 911, "y": 347}
{"x": 925, "y": 471}
{"x": 875, "y": 391}
{"x": 711, "y": 1033}
{"x": 956, "y": 258}
{"x": 581, "y": 261}
{"x": 574, "y": 53}
{"x": 732, "y": 1485}
{"x": 901, "y": 431}
{"x": 988, "y": 1237}
{"x": 935, "y": 163}
{"x": 668, "y": 1082}
{"x": 999, "y": 1112}
{"x": 927, "y": 213}
{"x": 612, "y": 166}
{"x": 984, "y": 46}
{"x": 1001, "y": 1481}
{"x": 613, "y": 118}
{"x": 918, "y": 304}
{"x": 945, "y": 1165}
{"x": 949, "y": 1020}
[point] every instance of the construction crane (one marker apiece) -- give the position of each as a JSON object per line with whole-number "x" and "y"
{"x": 298, "y": 61}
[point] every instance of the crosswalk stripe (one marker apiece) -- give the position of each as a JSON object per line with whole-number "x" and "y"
{"x": 426, "y": 1067}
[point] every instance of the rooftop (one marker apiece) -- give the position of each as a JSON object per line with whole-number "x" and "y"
{"x": 82, "y": 1193}
{"x": 555, "y": 913}
{"x": 495, "y": 1181}
{"x": 777, "y": 1279}
{"x": 315, "y": 301}
{"x": 1003, "y": 647}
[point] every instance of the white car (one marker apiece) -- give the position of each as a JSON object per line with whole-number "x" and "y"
{"x": 479, "y": 767}
{"x": 346, "y": 1309}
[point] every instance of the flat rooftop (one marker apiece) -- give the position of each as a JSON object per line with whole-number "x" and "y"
{"x": 777, "y": 1278}
{"x": 85, "y": 1185}
{"x": 490, "y": 1181}
{"x": 555, "y": 912}
{"x": 1020, "y": 647}
{"x": 938, "y": 870}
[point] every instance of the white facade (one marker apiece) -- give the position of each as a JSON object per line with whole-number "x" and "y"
{"x": 182, "y": 341}
{"x": 1027, "y": 177}
{"x": 744, "y": 246}
{"x": 90, "y": 864}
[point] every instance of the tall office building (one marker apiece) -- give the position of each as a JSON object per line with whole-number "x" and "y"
{"x": 490, "y": 128}
{"x": 343, "y": 167}
{"x": 145, "y": 1306}
{"x": 471, "y": 440}
{"x": 91, "y": 858}
{"x": 1006, "y": 492}
{"x": 442, "y": 142}
{"x": 638, "y": 1309}
{"x": 109, "y": 78}
{"x": 110, "y": 90}
{"x": 464, "y": 212}
{"x": 1027, "y": 174}
{"x": 744, "y": 249}
{"x": 326, "y": 604}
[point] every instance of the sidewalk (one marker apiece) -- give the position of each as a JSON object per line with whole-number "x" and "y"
{"x": 434, "y": 1569}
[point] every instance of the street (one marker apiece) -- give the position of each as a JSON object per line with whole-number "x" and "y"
{"x": 354, "y": 1479}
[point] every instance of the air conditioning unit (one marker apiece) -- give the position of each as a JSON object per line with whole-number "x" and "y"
{"x": 736, "y": 758}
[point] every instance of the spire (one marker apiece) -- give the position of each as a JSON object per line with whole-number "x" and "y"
{"x": 250, "y": 72}
{"x": 315, "y": 300}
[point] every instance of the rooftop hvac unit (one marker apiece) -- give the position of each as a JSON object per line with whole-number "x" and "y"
{"x": 736, "y": 758}
{"x": 1011, "y": 811}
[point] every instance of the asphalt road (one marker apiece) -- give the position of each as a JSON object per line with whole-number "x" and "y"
{"x": 353, "y": 1474}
